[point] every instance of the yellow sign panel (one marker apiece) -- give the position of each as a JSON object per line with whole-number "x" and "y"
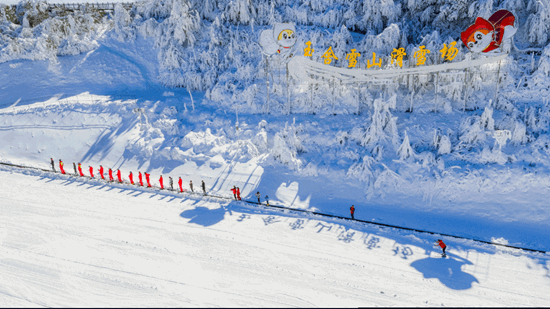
{"x": 397, "y": 56}
{"x": 420, "y": 55}
{"x": 329, "y": 55}
{"x": 308, "y": 51}
{"x": 369, "y": 64}
{"x": 352, "y": 57}
{"x": 450, "y": 52}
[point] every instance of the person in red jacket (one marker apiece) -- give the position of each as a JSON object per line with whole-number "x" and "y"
{"x": 140, "y": 179}
{"x": 119, "y": 176}
{"x": 131, "y": 178}
{"x": 61, "y": 167}
{"x": 91, "y": 171}
{"x": 234, "y": 190}
{"x": 80, "y": 170}
{"x": 161, "y": 183}
{"x": 111, "y": 174}
{"x": 238, "y": 193}
{"x": 443, "y": 246}
{"x": 101, "y": 172}
{"x": 352, "y": 211}
{"x": 180, "y": 182}
{"x": 147, "y": 178}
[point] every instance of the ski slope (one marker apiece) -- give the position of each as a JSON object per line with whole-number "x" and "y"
{"x": 72, "y": 242}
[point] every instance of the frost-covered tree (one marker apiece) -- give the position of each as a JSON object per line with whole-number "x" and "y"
{"x": 405, "y": 151}
{"x": 287, "y": 144}
{"x": 383, "y": 126}
{"x": 538, "y": 21}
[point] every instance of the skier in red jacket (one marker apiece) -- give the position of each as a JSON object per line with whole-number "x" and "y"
{"x": 80, "y": 170}
{"x": 234, "y": 190}
{"x": 140, "y": 179}
{"x": 111, "y": 174}
{"x": 91, "y": 171}
{"x": 61, "y": 167}
{"x": 238, "y": 193}
{"x": 118, "y": 174}
{"x": 101, "y": 172}
{"x": 147, "y": 178}
{"x": 131, "y": 178}
{"x": 443, "y": 246}
{"x": 352, "y": 211}
{"x": 180, "y": 182}
{"x": 161, "y": 183}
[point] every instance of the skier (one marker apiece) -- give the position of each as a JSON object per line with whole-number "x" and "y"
{"x": 53, "y": 166}
{"x": 111, "y": 174}
{"x": 80, "y": 170}
{"x": 74, "y": 166}
{"x": 148, "y": 180}
{"x": 91, "y": 171}
{"x": 443, "y": 246}
{"x": 171, "y": 183}
{"x": 180, "y": 182}
{"x": 203, "y": 187}
{"x": 140, "y": 179}
{"x": 191, "y": 186}
{"x": 352, "y": 211}
{"x": 101, "y": 172}
{"x": 161, "y": 184}
{"x": 267, "y": 200}
{"x": 61, "y": 167}
{"x": 131, "y": 178}
{"x": 234, "y": 190}
{"x": 119, "y": 176}
{"x": 238, "y": 194}
{"x": 258, "y": 196}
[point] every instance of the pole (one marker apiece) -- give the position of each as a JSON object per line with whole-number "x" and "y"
{"x": 412, "y": 95}
{"x": 288, "y": 90}
{"x": 436, "y": 84}
{"x": 498, "y": 82}
{"x": 333, "y": 99}
{"x": 358, "y": 99}
{"x": 267, "y": 80}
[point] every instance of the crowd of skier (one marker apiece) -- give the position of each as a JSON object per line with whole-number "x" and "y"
{"x": 101, "y": 170}
{"x": 235, "y": 190}
{"x": 78, "y": 172}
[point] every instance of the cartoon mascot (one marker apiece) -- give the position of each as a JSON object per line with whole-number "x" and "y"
{"x": 279, "y": 40}
{"x": 487, "y": 35}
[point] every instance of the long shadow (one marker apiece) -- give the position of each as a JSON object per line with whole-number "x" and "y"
{"x": 447, "y": 270}
{"x": 106, "y": 141}
{"x": 204, "y": 216}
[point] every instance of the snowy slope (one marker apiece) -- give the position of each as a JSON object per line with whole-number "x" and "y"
{"x": 434, "y": 168}
{"x": 65, "y": 242}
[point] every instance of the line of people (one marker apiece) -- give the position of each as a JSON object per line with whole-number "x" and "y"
{"x": 78, "y": 172}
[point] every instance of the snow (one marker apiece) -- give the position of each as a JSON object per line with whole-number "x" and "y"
{"x": 177, "y": 89}
{"x": 125, "y": 246}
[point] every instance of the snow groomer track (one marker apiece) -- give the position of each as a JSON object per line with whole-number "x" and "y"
{"x": 283, "y": 208}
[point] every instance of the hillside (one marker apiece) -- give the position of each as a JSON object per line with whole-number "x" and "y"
{"x": 416, "y": 150}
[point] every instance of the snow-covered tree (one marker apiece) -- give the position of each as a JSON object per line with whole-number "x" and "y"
{"x": 405, "y": 150}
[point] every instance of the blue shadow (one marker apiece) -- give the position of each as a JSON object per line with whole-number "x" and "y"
{"x": 447, "y": 270}
{"x": 204, "y": 216}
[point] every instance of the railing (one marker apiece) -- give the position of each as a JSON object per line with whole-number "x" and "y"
{"x": 85, "y": 6}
